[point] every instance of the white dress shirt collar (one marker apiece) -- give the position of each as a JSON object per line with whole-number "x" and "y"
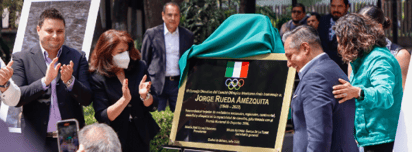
{"x": 166, "y": 31}
{"x": 303, "y": 68}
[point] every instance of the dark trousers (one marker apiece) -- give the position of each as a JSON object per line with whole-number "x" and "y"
{"x": 170, "y": 91}
{"x": 134, "y": 141}
{"x": 387, "y": 147}
{"x": 51, "y": 145}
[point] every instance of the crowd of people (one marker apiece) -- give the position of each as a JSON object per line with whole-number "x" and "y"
{"x": 349, "y": 95}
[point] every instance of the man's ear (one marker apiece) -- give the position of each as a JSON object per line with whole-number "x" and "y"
{"x": 306, "y": 48}
{"x": 38, "y": 29}
{"x": 163, "y": 16}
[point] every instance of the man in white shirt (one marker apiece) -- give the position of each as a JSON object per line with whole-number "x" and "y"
{"x": 162, "y": 48}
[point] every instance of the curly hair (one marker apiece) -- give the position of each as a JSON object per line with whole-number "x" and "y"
{"x": 101, "y": 59}
{"x": 357, "y": 35}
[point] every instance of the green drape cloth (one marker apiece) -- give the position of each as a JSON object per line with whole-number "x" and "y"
{"x": 239, "y": 36}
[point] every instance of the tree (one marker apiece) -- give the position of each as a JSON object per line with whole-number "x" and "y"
{"x": 153, "y": 12}
{"x": 120, "y": 8}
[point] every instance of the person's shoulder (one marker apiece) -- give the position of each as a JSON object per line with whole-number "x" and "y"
{"x": 325, "y": 66}
{"x": 33, "y": 48}
{"x": 155, "y": 29}
{"x": 151, "y": 32}
{"x": 185, "y": 30}
{"x": 285, "y": 25}
{"x": 73, "y": 51}
{"x": 25, "y": 53}
{"x": 379, "y": 51}
{"x": 141, "y": 64}
{"x": 378, "y": 54}
{"x": 96, "y": 77}
{"x": 325, "y": 18}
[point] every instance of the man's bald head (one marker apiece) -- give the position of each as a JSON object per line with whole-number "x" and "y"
{"x": 97, "y": 138}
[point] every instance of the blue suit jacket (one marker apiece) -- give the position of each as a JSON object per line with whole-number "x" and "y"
{"x": 321, "y": 123}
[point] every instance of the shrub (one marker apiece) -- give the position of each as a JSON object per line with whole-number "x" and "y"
{"x": 89, "y": 114}
{"x": 164, "y": 119}
{"x": 203, "y": 17}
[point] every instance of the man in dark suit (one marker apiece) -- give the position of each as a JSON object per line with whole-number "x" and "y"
{"x": 321, "y": 123}
{"x": 54, "y": 82}
{"x": 162, "y": 48}
{"x": 338, "y": 8}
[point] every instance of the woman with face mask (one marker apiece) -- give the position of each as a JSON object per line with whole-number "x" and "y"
{"x": 121, "y": 87}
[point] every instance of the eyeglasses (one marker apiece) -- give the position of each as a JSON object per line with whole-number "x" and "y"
{"x": 298, "y": 12}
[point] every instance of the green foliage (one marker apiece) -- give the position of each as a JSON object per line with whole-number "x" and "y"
{"x": 203, "y": 17}
{"x": 138, "y": 44}
{"x": 14, "y": 6}
{"x": 164, "y": 119}
{"x": 276, "y": 21}
{"x": 89, "y": 114}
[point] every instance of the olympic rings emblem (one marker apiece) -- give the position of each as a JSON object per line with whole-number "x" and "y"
{"x": 234, "y": 83}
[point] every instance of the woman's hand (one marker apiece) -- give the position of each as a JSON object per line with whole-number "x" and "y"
{"x": 144, "y": 87}
{"x": 126, "y": 91}
{"x": 345, "y": 91}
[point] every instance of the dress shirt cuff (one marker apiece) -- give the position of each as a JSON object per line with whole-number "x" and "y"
{"x": 70, "y": 86}
{"x": 43, "y": 83}
{"x": 11, "y": 96}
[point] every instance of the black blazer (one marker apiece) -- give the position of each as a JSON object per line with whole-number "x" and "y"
{"x": 107, "y": 90}
{"x": 29, "y": 67}
{"x": 154, "y": 53}
{"x": 330, "y": 47}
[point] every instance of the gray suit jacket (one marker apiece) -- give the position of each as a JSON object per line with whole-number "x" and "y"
{"x": 154, "y": 53}
{"x": 321, "y": 123}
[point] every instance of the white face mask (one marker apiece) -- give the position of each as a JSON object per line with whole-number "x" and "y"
{"x": 122, "y": 60}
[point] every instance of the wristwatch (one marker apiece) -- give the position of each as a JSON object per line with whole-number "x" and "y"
{"x": 147, "y": 97}
{"x": 362, "y": 95}
{"x": 5, "y": 85}
{"x": 70, "y": 81}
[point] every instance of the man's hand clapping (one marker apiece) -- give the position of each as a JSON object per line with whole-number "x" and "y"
{"x": 66, "y": 72}
{"x": 6, "y": 73}
{"x": 52, "y": 72}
